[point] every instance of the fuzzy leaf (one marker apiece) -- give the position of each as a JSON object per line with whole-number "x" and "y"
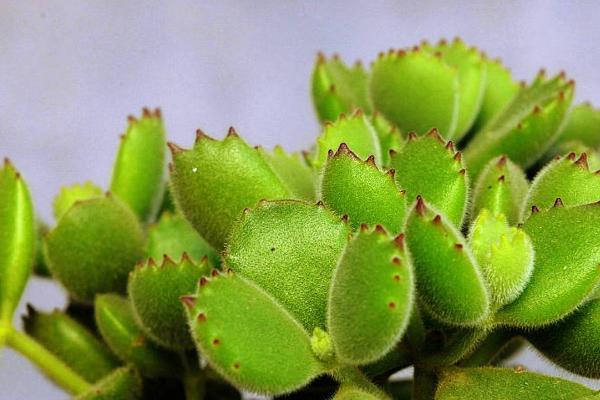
{"x": 154, "y": 292}
{"x": 71, "y": 342}
{"x": 139, "y": 168}
{"x": 173, "y": 235}
{"x": 503, "y": 383}
{"x": 40, "y": 267}
{"x": 416, "y": 91}
{"x": 573, "y": 343}
{"x": 293, "y": 172}
{"x": 70, "y": 195}
{"x": 567, "y": 178}
{"x": 123, "y": 383}
{"x": 429, "y": 167}
{"x": 116, "y": 323}
{"x": 350, "y": 186}
{"x": 355, "y": 131}
{"x": 449, "y": 282}
{"x": 227, "y": 176}
{"x": 583, "y": 125}
{"x": 504, "y": 254}
{"x": 337, "y": 88}
{"x": 371, "y": 297}
{"x": 526, "y": 128}
{"x": 501, "y": 188}
{"x": 566, "y": 270}
{"x": 94, "y": 246}
{"x": 246, "y": 336}
{"x": 290, "y": 249}
{"x": 17, "y": 241}
{"x": 390, "y": 138}
{"x": 352, "y": 392}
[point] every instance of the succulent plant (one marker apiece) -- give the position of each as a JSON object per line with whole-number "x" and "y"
{"x": 446, "y": 215}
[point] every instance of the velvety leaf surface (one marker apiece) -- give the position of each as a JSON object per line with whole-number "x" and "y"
{"x": 94, "y": 246}
{"x": 290, "y": 249}
{"x": 292, "y": 170}
{"x": 123, "y": 383}
{"x": 246, "y": 335}
{"x": 566, "y": 270}
{"x": 371, "y": 297}
{"x": 351, "y": 392}
{"x": 71, "y": 194}
{"x": 216, "y": 180}
{"x": 390, "y": 138}
{"x": 583, "y": 125}
{"x": 154, "y": 292}
{"x": 140, "y": 165}
{"x": 350, "y": 186}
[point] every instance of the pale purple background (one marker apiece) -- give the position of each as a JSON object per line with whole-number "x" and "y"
{"x": 71, "y": 71}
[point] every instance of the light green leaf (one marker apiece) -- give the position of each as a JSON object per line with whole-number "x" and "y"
{"x": 70, "y": 195}
{"x": 293, "y": 171}
{"x": 123, "y": 383}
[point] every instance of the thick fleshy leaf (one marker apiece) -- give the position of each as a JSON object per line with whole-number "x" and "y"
{"x": 70, "y": 341}
{"x": 247, "y": 336}
{"x": 216, "y": 180}
{"x": 40, "y": 267}
{"x": 70, "y": 195}
{"x": 567, "y": 178}
{"x": 17, "y": 241}
{"x": 352, "y": 392}
{"x": 139, "y": 169}
{"x": 429, "y": 167}
{"x": 526, "y": 128}
{"x": 154, "y": 292}
{"x": 358, "y": 189}
{"x": 173, "y": 235}
{"x": 573, "y": 343}
{"x": 123, "y": 383}
{"x": 501, "y": 188}
{"x": 503, "y": 383}
{"x": 371, "y": 297}
{"x": 583, "y": 125}
{"x": 416, "y": 91}
{"x": 390, "y": 138}
{"x": 337, "y": 88}
{"x": 293, "y": 171}
{"x": 504, "y": 254}
{"x": 117, "y": 325}
{"x": 449, "y": 282}
{"x": 290, "y": 249}
{"x": 94, "y": 246}
{"x": 566, "y": 270}
{"x": 355, "y": 131}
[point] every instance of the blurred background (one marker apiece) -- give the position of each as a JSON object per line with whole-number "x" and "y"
{"x": 70, "y": 73}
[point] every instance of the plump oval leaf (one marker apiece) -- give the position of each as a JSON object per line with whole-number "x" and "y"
{"x": 122, "y": 383}
{"x": 353, "y": 392}
{"x": 371, "y": 297}
{"x": 292, "y": 170}
{"x": 94, "y": 246}
{"x": 290, "y": 249}
{"x": 248, "y": 337}
{"x": 350, "y": 186}
{"x": 70, "y": 195}
{"x": 583, "y": 125}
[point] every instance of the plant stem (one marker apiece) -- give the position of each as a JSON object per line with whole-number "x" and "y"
{"x": 193, "y": 379}
{"x": 52, "y": 366}
{"x": 354, "y": 376}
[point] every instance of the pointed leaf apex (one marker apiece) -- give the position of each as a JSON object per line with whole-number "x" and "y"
{"x": 151, "y": 262}
{"x": 437, "y": 219}
{"x": 391, "y": 173}
{"x": 185, "y": 257}
{"x": 167, "y": 261}
{"x": 231, "y": 132}
{"x": 146, "y": 113}
{"x": 458, "y": 246}
{"x": 345, "y": 218}
{"x": 175, "y": 149}
{"x": 572, "y": 156}
{"x": 450, "y": 145}
{"x": 458, "y": 156}
{"x": 380, "y": 229}
{"x": 364, "y": 227}
{"x": 462, "y": 171}
{"x": 371, "y": 160}
{"x": 203, "y": 281}
{"x": 358, "y": 113}
{"x": 434, "y": 133}
{"x": 534, "y": 209}
{"x": 188, "y": 301}
{"x": 501, "y": 161}
{"x": 411, "y": 136}
{"x": 582, "y": 161}
{"x": 399, "y": 241}
{"x": 501, "y": 178}
{"x": 320, "y": 203}
{"x": 558, "y": 202}
{"x": 420, "y": 206}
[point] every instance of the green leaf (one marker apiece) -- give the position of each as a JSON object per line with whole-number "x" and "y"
{"x": 117, "y": 325}
{"x": 503, "y": 383}
{"x": 358, "y": 189}
{"x": 567, "y": 178}
{"x": 337, "y": 88}
{"x": 449, "y": 282}
{"x": 504, "y": 254}
{"x": 94, "y": 246}
{"x": 71, "y": 342}
{"x": 173, "y": 235}
{"x": 501, "y": 188}
{"x": 351, "y": 392}
{"x": 123, "y": 383}
{"x": 526, "y": 128}
{"x": 371, "y": 297}
{"x": 70, "y": 195}
{"x": 248, "y": 337}
{"x": 227, "y": 176}
{"x": 416, "y": 91}
{"x": 292, "y": 170}
{"x": 154, "y": 292}
{"x": 355, "y": 131}
{"x": 583, "y": 125}
{"x": 573, "y": 343}
{"x": 290, "y": 249}
{"x": 390, "y": 138}
{"x": 40, "y": 267}
{"x": 139, "y": 168}
{"x": 429, "y": 167}
{"x": 566, "y": 270}
{"x": 17, "y": 241}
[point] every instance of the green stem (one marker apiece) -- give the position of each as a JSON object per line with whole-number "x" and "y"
{"x": 353, "y": 376}
{"x": 424, "y": 385}
{"x": 194, "y": 380}
{"x": 52, "y": 366}
{"x": 455, "y": 350}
